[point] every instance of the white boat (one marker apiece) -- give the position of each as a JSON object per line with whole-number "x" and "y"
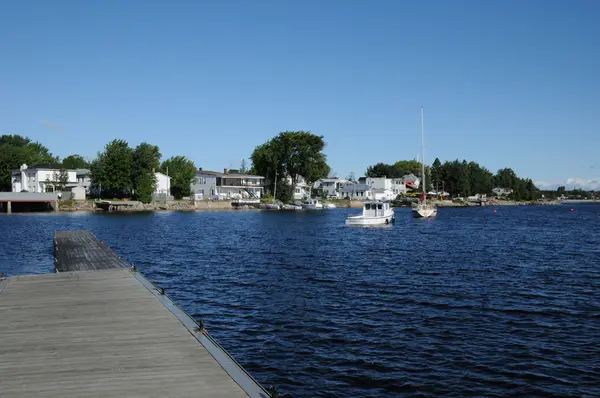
{"x": 312, "y": 204}
{"x": 374, "y": 213}
{"x": 329, "y": 206}
{"x": 423, "y": 209}
{"x": 292, "y": 207}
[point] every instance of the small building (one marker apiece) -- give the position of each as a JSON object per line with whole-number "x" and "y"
{"x": 163, "y": 184}
{"x": 73, "y": 192}
{"x": 357, "y": 192}
{"x": 215, "y": 185}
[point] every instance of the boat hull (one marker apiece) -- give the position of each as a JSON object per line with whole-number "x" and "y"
{"x": 312, "y": 206}
{"x": 272, "y": 207}
{"x": 362, "y": 220}
{"x": 424, "y": 212}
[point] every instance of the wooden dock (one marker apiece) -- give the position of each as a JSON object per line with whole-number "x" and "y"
{"x": 82, "y": 251}
{"x": 107, "y": 333}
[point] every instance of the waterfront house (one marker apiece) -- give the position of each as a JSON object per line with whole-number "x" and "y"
{"x": 302, "y": 189}
{"x": 215, "y": 185}
{"x": 330, "y": 187}
{"x": 357, "y": 192}
{"x": 40, "y": 178}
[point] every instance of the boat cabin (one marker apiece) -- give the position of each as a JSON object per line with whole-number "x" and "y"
{"x": 375, "y": 209}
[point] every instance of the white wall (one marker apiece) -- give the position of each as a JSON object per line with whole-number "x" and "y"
{"x": 163, "y": 183}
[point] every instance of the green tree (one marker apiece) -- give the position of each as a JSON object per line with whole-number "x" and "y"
{"x": 145, "y": 162}
{"x": 506, "y": 178}
{"x": 112, "y": 169}
{"x": 291, "y": 154}
{"x": 436, "y": 173}
{"x": 351, "y": 177}
{"x": 16, "y": 150}
{"x": 182, "y": 172}
{"x": 243, "y": 167}
{"x": 75, "y": 162}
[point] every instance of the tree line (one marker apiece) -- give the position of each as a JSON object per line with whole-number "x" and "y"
{"x": 118, "y": 171}
{"x": 460, "y": 178}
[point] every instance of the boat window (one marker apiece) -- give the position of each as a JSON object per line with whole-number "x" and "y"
{"x": 379, "y": 206}
{"x": 367, "y": 206}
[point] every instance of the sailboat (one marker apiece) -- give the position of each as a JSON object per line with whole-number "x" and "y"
{"x": 423, "y": 209}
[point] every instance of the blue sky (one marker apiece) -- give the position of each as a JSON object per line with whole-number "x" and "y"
{"x": 505, "y": 83}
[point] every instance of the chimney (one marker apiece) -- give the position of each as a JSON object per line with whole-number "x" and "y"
{"x": 199, "y": 168}
{"x": 225, "y": 171}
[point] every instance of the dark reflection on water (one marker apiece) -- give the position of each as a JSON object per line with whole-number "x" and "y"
{"x": 473, "y": 303}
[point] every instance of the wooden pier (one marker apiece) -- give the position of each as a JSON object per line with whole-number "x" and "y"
{"x": 106, "y": 333}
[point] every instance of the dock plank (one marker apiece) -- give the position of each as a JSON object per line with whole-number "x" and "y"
{"x": 99, "y": 334}
{"x": 80, "y": 250}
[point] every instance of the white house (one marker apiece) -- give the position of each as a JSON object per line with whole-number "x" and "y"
{"x": 331, "y": 187}
{"x": 502, "y": 191}
{"x": 357, "y": 192}
{"x": 163, "y": 184}
{"x": 302, "y": 190}
{"x": 40, "y": 178}
{"x": 215, "y": 185}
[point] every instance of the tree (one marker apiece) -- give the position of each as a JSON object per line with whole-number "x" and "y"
{"x": 243, "y": 167}
{"x": 182, "y": 172}
{"x": 112, "y": 169}
{"x": 16, "y": 150}
{"x": 436, "y": 173}
{"x": 291, "y": 154}
{"x": 75, "y": 162}
{"x": 145, "y": 162}
{"x": 351, "y": 177}
{"x": 59, "y": 180}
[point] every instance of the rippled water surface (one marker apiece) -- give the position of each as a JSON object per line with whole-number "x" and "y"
{"x": 472, "y": 303}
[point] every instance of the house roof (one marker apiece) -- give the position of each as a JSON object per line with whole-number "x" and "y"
{"x": 41, "y": 166}
{"x": 355, "y": 188}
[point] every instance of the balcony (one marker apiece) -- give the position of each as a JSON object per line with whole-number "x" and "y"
{"x": 233, "y": 182}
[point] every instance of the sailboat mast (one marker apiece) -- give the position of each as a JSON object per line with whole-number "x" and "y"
{"x": 422, "y": 151}
{"x": 275, "y": 190}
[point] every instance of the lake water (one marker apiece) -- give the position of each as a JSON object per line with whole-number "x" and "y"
{"x": 472, "y": 303}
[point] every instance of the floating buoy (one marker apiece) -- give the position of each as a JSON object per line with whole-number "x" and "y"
{"x": 494, "y": 210}
{"x": 572, "y": 209}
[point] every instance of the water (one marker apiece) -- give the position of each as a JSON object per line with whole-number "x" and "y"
{"x": 472, "y": 303}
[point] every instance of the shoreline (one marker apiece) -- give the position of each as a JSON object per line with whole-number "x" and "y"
{"x": 190, "y": 206}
